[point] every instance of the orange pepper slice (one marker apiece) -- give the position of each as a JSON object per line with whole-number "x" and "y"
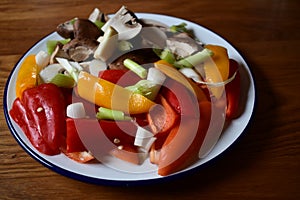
{"x": 104, "y": 93}
{"x": 27, "y": 75}
{"x": 217, "y": 68}
{"x": 173, "y": 73}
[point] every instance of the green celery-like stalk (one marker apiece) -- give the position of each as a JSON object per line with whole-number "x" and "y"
{"x": 195, "y": 59}
{"x": 168, "y": 56}
{"x": 135, "y": 67}
{"x": 69, "y": 68}
{"x": 146, "y": 88}
{"x": 99, "y": 24}
{"x": 62, "y": 80}
{"x": 106, "y": 113}
{"x": 179, "y": 28}
{"x": 51, "y": 44}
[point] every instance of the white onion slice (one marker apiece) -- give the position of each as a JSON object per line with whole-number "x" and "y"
{"x": 42, "y": 59}
{"x": 76, "y": 110}
{"x": 190, "y": 73}
{"x": 144, "y": 139}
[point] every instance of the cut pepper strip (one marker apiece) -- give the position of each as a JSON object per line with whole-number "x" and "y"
{"x": 106, "y": 94}
{"x": 217, "y": 68}
{"x": 173, "y": 73}
{"x": 27, "y": 75}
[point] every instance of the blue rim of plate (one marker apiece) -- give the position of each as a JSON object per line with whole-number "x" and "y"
{"x": 101, "y": 181}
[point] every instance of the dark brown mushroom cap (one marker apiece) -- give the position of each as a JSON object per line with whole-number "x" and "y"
{"x": 66, "y": 29}
{"x": 84, "y": 35}
{"x": 141, "y": 56}
{"x": 84, "y": 28}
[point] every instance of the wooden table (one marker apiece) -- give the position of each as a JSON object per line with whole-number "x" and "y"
{"x": 263, "y": 164}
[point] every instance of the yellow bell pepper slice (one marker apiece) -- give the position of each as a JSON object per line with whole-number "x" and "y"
{"x": 217, "y": 69}
{"x": 109, "y": 95}
{"x": 27, "y": 75}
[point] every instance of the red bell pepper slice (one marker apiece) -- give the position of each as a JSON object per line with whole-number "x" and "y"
{"x": 41, "y": 115}
{"x": 183, "y": 143}
{"x": 81, "y": 157}
{"x": 102, "y": 138}
{"x": 180, "y": 98}
{"x": 128, "y": 153}
{"x": 233, "y": 91}
{"x": 162, "y": 117}
{"x": 117, "y": 132}
{"x": 122, "y": 77}
{"x": 73, "y": 141}
{"x": 18, "y": 114}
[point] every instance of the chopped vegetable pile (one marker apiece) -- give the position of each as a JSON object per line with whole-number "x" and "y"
{"x": 125, "y": 87}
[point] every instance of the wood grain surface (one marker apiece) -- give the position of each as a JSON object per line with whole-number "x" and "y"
{"x": 263, "y": 164}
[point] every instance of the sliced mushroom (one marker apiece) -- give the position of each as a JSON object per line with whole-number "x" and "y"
{"x": 80, "y": 49}
{"x": 107, "y": 46}
{"x": 153, "y": 37}
{"x": 97, "y": 15}
{"x": 80, "y": 53}
{"x": 58, "y": 52}
{"x": 154, "y": 23}
{"x": 182, "y": 45}
{"x": 125, "y": 23}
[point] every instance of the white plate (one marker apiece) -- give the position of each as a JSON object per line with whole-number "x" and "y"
{"x": 101, "y": 174}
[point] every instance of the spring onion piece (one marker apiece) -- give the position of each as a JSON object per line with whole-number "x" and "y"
{"x": 69, "y": 68}
{"x": 51, "y": 44}
{"x": 99, "y": 24}
{"x": 76, "y": 110}
{"x": 146, "y": 88}
{"x": 157, "y": 51}
{"x": 63, "y": 80}
{"x": 168, "y": 56}
{"x": 179, "y": 28}
{"x": 195, "y": 59}
{"x": 150, "y": 87}
{"x": 144, "y": 139}
{"x": 105, "y": 113}
{"x": 135, "y": 67}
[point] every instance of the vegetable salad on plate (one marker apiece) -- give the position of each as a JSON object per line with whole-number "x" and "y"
{"x": 129, "y": 88}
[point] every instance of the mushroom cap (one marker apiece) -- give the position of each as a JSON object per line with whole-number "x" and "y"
{"x": 142, "y": 56}
{"x": 66, "y": 29}
{"x": 84, "y": 28}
